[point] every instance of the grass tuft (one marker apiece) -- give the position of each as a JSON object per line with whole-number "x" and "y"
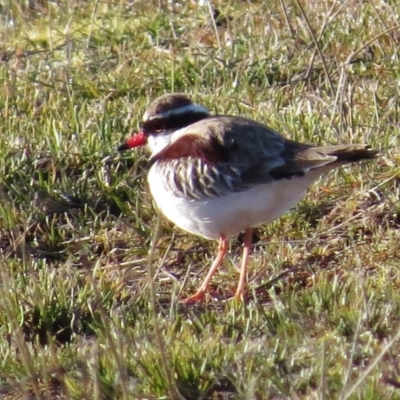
{"x": 78, "y": 316}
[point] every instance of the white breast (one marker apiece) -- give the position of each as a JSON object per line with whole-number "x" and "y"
{"x": 232, "y": 213}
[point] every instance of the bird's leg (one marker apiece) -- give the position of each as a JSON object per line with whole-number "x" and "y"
{"x": 200, "y": 294}
{"x": 239, "y": 295}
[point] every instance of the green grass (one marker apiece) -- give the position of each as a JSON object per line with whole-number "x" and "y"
{"x": 79, "y": 316}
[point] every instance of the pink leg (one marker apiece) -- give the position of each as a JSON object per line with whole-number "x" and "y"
{"x": 200, "y": 294}
{"x": 243, "y": 268}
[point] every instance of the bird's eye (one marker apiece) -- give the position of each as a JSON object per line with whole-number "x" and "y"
{"x": 157, "y": 126}
{"x": 153, "y": 126}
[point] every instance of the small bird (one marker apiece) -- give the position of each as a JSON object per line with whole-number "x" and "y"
{"x": 217, "y": 176}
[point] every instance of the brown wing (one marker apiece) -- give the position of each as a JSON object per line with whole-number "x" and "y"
{"x": 237, "y": 153}
{"x": 263, "y": 155}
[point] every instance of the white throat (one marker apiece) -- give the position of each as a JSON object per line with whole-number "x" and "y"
{"x": 157, "y": 143}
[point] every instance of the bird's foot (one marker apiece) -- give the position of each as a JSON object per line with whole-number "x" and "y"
{"x": 239, "y": 297}
{"x": 198, "y": 297}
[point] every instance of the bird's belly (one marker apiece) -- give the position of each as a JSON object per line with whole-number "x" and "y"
{"x": 232, "y": 213}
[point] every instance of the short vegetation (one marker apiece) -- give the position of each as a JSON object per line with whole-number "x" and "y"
{"x": 90, "y": 276}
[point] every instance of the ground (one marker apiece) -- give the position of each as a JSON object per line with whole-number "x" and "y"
{"x": 91, "y": 278}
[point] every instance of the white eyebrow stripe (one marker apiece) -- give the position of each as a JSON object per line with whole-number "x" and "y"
{"x": 190, "y": 108}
